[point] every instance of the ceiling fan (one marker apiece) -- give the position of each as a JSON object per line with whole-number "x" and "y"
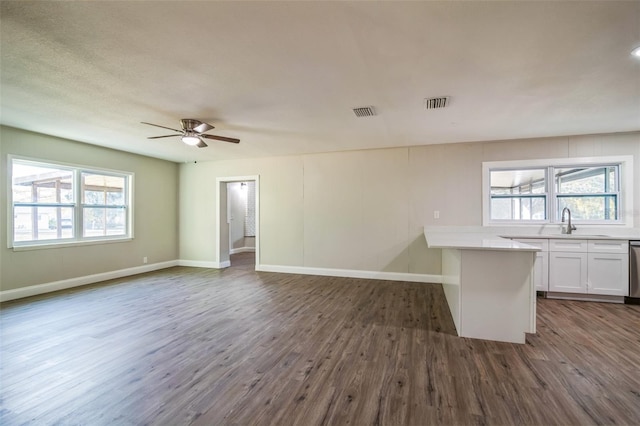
{"x": 192, "y": 133}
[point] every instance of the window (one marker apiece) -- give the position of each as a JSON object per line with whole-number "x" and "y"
{"x": 591, "y": 193}
{"x": 519, "y": 194}
{"x": 56, "y": 204}
{"x": 537, "y": 191}
{"x": 104, "y": 210}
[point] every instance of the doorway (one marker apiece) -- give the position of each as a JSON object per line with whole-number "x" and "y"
{"x": 238, "y": 221}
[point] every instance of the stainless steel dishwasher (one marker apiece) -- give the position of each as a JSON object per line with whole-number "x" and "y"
{"x": 634, "y": 273}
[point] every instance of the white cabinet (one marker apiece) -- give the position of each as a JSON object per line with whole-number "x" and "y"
{"x": 589, "y": 266}
{"x": 568, "y": 266}
{"x": 609, "y": 267}
{"x": 576, "y": 246}
{"x": 568, "y": 272}
{"x": 541, "y": 264}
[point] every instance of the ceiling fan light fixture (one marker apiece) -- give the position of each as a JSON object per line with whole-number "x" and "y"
{"x": 191, "y": 140}
{"x": 192, "y": 133}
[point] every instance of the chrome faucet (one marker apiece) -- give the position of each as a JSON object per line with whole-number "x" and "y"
{"x": 569, "y": 227}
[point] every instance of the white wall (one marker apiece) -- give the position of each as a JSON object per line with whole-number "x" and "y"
{"x": 155, "y": 214}
{"x": 237, "y": 208}
{"x": 281, "y": 210}
{"x": 239, "y": 199}
{"x": 365, "y": 210}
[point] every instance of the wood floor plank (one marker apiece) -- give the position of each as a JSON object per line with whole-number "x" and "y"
{"x": 239, "y": 347}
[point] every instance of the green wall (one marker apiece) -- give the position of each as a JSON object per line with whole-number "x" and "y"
{"x": 155, "y": 213}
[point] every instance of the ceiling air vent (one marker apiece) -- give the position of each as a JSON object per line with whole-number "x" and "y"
{"x": 433, "y": 103}
{"x": 364, "y": 111}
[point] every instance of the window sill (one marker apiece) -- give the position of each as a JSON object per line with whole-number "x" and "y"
{"x": 67, "y": 244}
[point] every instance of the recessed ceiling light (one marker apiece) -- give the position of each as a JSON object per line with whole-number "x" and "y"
{"x": 636, "y": 52}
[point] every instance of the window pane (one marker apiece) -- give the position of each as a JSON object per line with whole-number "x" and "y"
{"x": 99, "y": 221}
{"x": 533, "y": 209}
{"x": 613, "y": 181}
{"x": 42, "y": 223}
{"x": 103, "y": 189}
{"x": 538, "y": 187}
{"x": 525, "y": 181}
{"x": 501, "y": 209}
{"x": 41, "y": 184}
{"x": 587, "y": 180}
{"x": 518, "y": 208}
{"x": 603, "y": 207}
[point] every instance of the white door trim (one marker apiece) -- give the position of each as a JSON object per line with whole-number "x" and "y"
{"x": 224, "y": 180}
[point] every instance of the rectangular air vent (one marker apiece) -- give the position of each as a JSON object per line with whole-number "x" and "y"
{"x": 364, "y": 111}
{"x": 433, "y": 103}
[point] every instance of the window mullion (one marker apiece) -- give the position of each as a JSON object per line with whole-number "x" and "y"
{"x": 551, "y": 191}
{"x": 78, "y": 214}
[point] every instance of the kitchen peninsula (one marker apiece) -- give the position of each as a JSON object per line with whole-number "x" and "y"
{"x": 488, "y": 284}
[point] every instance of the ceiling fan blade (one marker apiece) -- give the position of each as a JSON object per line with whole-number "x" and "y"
{"x": 167, "y": 136}
{"x": 203, "y": 127}
{"x": 168, "y": 128}
{"x": 221, "y": 138}
{"x": 201, "y": 144}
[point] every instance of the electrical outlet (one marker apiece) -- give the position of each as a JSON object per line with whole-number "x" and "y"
{"x": 144, "y": 260}
{"x": 436, "y": 214}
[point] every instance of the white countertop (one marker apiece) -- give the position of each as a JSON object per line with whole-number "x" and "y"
{"x": 566, "y": 237}
{"x": 498, "y": 238}
{"x": 473, "y": 241}
{"x": 584, "y": 232}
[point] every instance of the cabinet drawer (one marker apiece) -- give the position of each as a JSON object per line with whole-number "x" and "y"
{"x": 542, "y": 244}
{"x": 608, "y": 246}
{"x": 576, "y": 246}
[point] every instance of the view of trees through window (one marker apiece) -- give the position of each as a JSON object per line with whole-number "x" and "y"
{"x": 103, "y": 205}
{"x": 48, "y": 204}
{"x": 591, "y": 193}
{"x": 43, "y": 202}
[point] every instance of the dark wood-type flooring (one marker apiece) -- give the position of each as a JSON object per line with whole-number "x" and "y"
{"x": 215, "y": 347}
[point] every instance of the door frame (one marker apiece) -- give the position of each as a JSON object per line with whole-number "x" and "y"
{"x": 220, "y": 181}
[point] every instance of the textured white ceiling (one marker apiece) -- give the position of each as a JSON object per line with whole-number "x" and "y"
{"x": 283, "y": 76}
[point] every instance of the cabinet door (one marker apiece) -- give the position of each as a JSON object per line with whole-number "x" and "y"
{"x": 568, "y": 272}
{"x": 541, "y": 271}
{"x": 609, "y": 274}
{"x": 541, "y": 265}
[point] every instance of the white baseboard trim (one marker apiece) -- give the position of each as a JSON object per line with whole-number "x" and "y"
{"x": 352, "y": 273}
{"x": 242, "y": 250}
{"x": 586, "y": 297}
{"x": 37, "y": 289}
{"x": 204, "y": 264}
{"x": 197, "y": 263}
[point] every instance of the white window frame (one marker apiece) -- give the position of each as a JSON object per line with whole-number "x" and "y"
{"x": 77, "y": 205}
{"x": 625, "y": 201}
